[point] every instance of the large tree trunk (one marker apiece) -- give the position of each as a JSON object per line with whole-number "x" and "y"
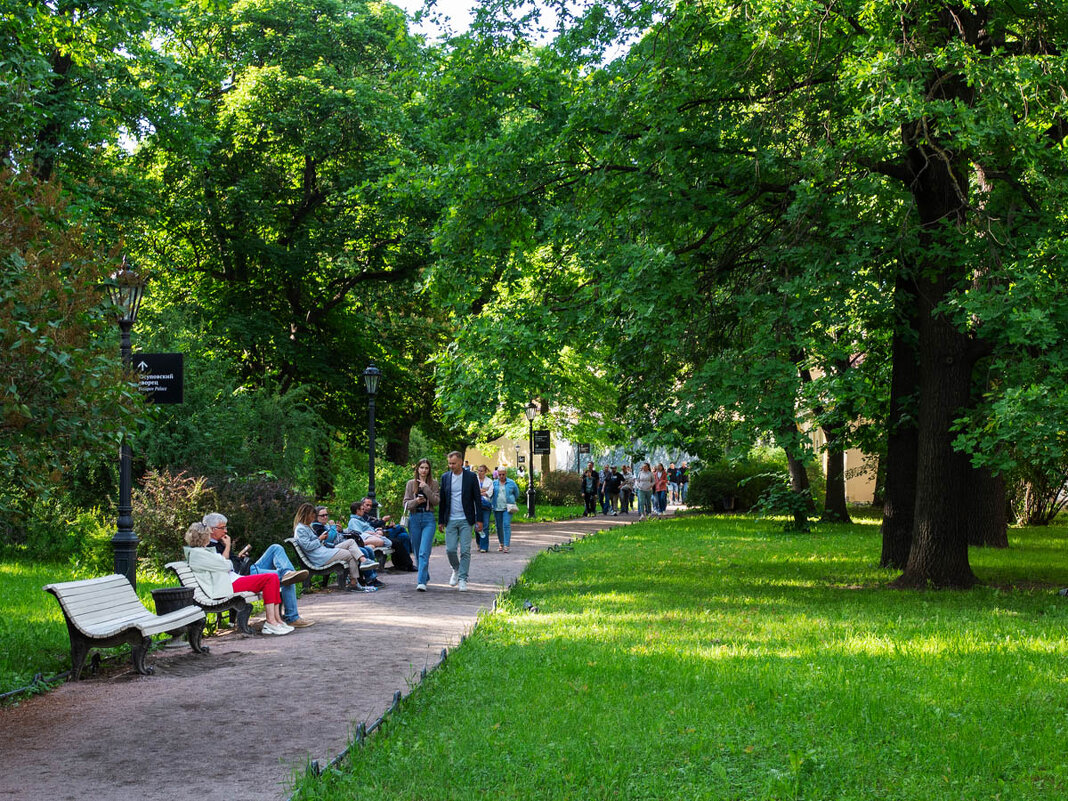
{"x": 398, "y": 446}
{"x": 834, "y": 506}
{"x": 878, "y": 492}
{"x": 939, "y": 553}
{"x": 899, "y": 495}
{"x": 799, "y": 482}
{"x": 49, "y": 137}
{"x": 323, "y": 472}
{"x": 938, "y": 179}
{"x": 989, "y": 525}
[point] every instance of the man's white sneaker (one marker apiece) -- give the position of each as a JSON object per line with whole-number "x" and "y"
{"x": 463, "y": 586}
{"x": 454, "y": 578}
{"x": 421, "y": 587}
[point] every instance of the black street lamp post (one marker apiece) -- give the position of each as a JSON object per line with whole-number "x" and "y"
{"x": 371, "y": 376}
{"x": 126, "y": 294}
{"x": 531, "y": 411}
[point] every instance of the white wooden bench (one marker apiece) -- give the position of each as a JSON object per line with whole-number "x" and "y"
{"x": 105, "y": 612}
{"x": 336, "y": 567}
{"x": 238, "y": 603}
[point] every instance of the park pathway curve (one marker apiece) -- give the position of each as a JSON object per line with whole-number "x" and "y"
{"x": 234, "y": 724}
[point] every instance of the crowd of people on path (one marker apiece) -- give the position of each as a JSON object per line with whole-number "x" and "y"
{"x": 461, "y": 503}
{"x": 615, "y": 489}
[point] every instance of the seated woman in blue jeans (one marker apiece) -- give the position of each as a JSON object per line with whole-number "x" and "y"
{"x": 505, "y": 491}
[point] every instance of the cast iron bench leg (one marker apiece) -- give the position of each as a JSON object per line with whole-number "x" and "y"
{"x": 79, "y": 649}
{"x": 139, "y": 649}
{"x": 243, "y": 614}
{"x": 194, "y": 631}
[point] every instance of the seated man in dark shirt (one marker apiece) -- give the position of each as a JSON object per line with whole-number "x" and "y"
{"x": 361, "y": 522}
{"x": 274, "y": 560}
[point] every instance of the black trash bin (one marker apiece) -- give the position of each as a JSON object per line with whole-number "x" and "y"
{"x": 171, "y": 599}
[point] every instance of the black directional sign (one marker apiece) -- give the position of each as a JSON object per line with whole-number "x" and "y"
{"x": 584, "y": 447}
{"x": 542, "y": 441}
{"x": 161, "y": 376}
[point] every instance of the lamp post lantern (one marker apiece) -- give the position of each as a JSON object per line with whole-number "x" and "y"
{"x": 531, "y": 412}
{"x": 371, "y": 377}
{"x": 126, "y": 293}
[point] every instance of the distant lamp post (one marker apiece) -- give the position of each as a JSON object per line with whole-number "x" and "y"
{"x": 517, "y": 458}
{"x": 531, "y": 412}
{"x": 371, "y": 377}
{"x": 126, "y": 294}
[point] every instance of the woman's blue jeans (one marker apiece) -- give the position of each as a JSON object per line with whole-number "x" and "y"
{"x": 275, "y": 560}
{"x": 504, "y": 527}
{"x": 421, "y": 526}
{"x": 483, "y": 538}
{"x": 645, "y": 498}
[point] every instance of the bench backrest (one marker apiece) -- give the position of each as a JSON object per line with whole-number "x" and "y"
{"x": 300, "y": 552}
{"x": 93, "y": 601}
{"x": 185, "y": 575}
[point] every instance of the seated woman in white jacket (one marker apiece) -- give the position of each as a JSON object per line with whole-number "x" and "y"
{"x": 215, "y": 574}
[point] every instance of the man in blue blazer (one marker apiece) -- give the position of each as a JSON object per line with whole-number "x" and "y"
{"x": 457, "y": 513}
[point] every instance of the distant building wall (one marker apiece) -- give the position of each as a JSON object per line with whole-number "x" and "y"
{"x": 501, "y": 452}
{"x": 859, "y": 470}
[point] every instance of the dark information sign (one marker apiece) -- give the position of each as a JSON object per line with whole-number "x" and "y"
{"x": 542, "y": 441}
{"x": 161, "y": 376}
{"x": 584, "y": 447}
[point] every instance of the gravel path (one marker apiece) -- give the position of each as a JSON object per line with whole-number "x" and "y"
{"x": 233, "y": 724}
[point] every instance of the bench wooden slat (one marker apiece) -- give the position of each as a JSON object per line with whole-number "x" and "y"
{"x": 144, "y": 621}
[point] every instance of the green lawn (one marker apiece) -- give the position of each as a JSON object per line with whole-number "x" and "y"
{"x": 723, "y": 659}
{"x": 33, "y": 636}
{"x": 548, "y": 514}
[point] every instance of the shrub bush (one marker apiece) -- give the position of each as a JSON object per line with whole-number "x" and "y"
{"x": 351, "y": 485}
{"x": 559, "y": 488}
{"x": 95, "y": 555}
{"x": 163, "y": 507}
{"x": 259, "y": 510}
{"x": 733, "y": 486}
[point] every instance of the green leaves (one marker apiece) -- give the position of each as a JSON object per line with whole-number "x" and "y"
{"x": 62, "y": 396}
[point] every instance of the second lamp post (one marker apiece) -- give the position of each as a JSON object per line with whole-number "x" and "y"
{"x": 371, "y": 376}
{"x": 531, "y": 412}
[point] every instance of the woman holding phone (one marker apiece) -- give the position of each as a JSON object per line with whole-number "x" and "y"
{"x": 421, "y": 500}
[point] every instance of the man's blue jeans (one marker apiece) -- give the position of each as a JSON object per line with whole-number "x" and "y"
{"x": 421, "y": 526}
{"x": 274, "y": 560}
{"x": 458, "y": 534}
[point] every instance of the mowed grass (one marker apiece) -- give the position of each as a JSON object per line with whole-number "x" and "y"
{"x": 33, "y": 636}
{"x": 722, "y": 659}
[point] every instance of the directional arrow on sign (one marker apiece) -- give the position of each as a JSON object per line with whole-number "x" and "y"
{"x": 142, "y": 366}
